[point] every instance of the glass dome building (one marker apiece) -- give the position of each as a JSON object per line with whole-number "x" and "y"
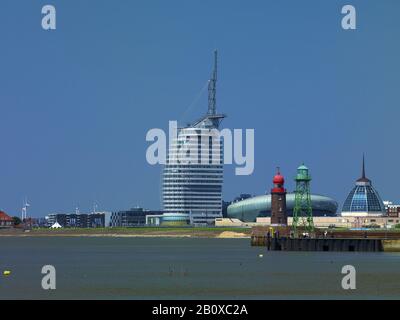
{"x": 363, "y": 200}
{"x": 248, "y": 210}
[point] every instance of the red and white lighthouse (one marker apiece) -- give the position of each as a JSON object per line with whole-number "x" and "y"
{"x": 278, "y": 201}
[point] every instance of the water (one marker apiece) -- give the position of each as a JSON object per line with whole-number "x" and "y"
{"x": 185, "y": 268}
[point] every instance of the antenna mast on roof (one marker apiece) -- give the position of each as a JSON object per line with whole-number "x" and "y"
{"x": 363, "y": 166}
{"x": 212, "y": 88}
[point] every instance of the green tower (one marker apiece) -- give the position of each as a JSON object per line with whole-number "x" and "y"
{"x": 302, "y": 212}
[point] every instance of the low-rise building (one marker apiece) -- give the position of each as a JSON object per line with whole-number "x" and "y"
{"x": 321, "y": 222}
{"x": 131, "y": 218}
{"x": 79, "y": 220}
{"x": 392, "y": 210}
{"x": 5, "y": 220}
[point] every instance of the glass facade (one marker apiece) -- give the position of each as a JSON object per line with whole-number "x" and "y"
{"x": 248, "y": 210}
{"x": 131, "y": 218}
{"x": 194, "y": 186}
{"x": 73, "y": 220}
{"x": 363, "y": 198}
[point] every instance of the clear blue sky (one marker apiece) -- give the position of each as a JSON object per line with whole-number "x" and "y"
{"x": 76, "y": 103}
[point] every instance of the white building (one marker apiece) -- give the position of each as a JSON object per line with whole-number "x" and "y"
{"x": 193, "y": 175}
{"x": 392, "y": 210}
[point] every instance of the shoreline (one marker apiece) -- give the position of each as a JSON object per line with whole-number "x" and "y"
{"x": 119, "y": 236}
{"x": 134, "y": 233}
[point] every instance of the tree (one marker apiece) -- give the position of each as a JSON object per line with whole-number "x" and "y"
{"x": 17, "y": 221}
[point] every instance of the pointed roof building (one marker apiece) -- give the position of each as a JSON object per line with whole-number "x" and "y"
{"x": 363, "y": 200}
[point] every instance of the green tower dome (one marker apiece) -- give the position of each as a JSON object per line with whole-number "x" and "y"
{"x": 302, "y": 167}
{"x": 302, "y": 173}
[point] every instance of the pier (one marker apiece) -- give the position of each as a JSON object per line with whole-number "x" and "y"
{"x": 345, "y": 241}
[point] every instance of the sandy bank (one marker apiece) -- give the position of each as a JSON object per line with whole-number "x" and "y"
{"x": 167, "y": 234}
{"x": 231, "y": 235}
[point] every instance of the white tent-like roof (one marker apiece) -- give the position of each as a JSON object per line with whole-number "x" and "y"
{"x": 56, "y": 226}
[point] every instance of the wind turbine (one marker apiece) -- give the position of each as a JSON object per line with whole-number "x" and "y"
{"x": 25, "y": 207}
{"x": 95, "y": 207}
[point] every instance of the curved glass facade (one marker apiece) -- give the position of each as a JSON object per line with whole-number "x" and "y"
{"x": 195, "y": 186}
{"x": 249, "y": 209}
{"x": 363, "y": 198}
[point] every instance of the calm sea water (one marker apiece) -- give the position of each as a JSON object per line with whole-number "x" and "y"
{"x": 169, "y": 268}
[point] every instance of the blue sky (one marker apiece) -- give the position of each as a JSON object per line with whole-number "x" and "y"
{"x": 76, "y": 103}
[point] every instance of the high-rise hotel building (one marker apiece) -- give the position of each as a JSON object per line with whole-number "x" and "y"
{"x": 193, "y": 174}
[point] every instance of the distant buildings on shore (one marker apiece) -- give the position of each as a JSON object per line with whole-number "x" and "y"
{"x": 278, "y": 204}
{"x": 392, "y": 210}
{"x": 134, "y": 217}
{"x": 5, "y": 220}
{"x": 363, "y": 208}
{"x": 321, "y": 222}
{"x": 131, "y": 218}
{"x": 78, "y": 220}
{"x": 192, "y": 192}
